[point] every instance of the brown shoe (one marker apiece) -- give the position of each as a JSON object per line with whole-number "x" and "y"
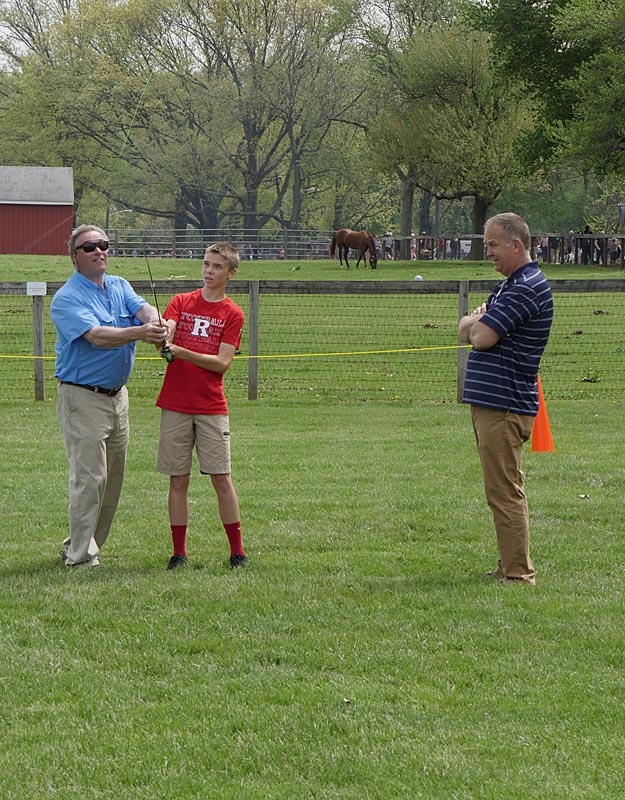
{"x": 495, "y": 573}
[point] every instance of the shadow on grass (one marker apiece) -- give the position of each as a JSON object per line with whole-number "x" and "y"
{"x": 113, "y": 567}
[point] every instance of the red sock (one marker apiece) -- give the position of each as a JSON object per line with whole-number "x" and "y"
{"x": 179, "y": 538}
{"x": 233, "y": 532}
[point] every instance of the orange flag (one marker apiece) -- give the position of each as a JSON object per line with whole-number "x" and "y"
{"x": 541, "y": 434}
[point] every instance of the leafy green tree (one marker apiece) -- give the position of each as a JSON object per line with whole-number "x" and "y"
{"x": 188, "y": 110}
{"x": 531, "y": 45}
{"x": 285, "y": 85}
{"x": 389, "y": 26}
{"x": 455, "y": 124}
{"x": 569, "y": 55}
{"x": 31, "y": 131}
{"x": 596, "y": 128}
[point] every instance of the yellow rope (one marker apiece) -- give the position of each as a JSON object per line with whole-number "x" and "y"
{"x": 288, "y": 355}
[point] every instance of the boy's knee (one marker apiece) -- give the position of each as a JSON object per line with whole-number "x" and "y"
{"x": 178, "y": 482}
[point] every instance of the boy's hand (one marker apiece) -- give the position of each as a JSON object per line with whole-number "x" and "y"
{"x": 167, "y": 352}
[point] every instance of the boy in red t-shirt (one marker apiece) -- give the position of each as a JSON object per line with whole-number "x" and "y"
{"x": 205, "y": 329}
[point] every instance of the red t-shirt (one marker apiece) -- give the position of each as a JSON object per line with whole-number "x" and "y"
{"x": 200, "y": 326}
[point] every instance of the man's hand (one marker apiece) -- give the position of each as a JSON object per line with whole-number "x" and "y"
{"x": 153, "y": 333}
{"x": 479, "y": 311}
{"x": 472, "y": 331}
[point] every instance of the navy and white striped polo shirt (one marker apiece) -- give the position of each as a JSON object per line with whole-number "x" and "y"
{"x": 520, "y": 310}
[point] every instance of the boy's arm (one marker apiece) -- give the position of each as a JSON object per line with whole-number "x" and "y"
{"x": 218, "y": 363}
{"x": 171, "y": 329}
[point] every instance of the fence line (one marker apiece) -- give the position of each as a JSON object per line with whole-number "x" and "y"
{"x": 283, "y": 243}
{"x": 336, "y": 340}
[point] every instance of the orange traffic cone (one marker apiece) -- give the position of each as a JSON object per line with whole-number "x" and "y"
{"x": 541, "y": 434}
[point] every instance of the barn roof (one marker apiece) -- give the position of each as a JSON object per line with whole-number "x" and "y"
{"x": 46, "y": 186}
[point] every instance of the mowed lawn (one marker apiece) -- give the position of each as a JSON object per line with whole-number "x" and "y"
{"x": 363, "y": 654}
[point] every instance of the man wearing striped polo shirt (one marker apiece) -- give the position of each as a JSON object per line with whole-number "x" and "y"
{"x": 509, "y": 333}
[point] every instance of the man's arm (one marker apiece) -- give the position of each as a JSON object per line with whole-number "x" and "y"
{"x": 482, "y": 337}
{"x": 464, "y": 328}
{"x": 147, "y": 313}
{"x": 472, "y": 331}
{"x": 151, "y": 331}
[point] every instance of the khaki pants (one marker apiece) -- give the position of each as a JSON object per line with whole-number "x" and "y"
{"x": 95, "y": 433}
{"x": 500, "y": 436}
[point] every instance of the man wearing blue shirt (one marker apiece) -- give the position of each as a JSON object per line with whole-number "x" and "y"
{"x": 509, "y": 333}
{"x": 98, "y": 320}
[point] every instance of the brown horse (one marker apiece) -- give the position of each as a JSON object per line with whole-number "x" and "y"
{"x": 357, "y": 240}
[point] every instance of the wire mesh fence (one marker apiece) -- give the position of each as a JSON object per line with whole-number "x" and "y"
{"x": 252, "y": 244}
{"x": 338, "y": 341}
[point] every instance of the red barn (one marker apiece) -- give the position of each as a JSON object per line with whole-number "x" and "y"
{"x": 36, "y": 210}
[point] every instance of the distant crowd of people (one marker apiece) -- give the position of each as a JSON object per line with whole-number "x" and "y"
{"x": 170, "y": 252}
{"x": 581, "y": 247}
{"x": 584, "y": 247}
{"x": 422, "y": 247}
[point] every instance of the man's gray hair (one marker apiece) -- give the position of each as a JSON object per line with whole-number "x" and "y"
{"x": 514, "y": 227}
{"x": 71, "y": 245}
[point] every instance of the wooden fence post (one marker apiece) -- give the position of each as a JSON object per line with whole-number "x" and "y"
{"x": 37, "y": 291}
{"x": 252, "y": 364}
{"x": 463, "y": 353}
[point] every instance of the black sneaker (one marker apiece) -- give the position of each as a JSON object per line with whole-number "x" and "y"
{"x": 239, "y": 560}
{"x": 177, "y": 561}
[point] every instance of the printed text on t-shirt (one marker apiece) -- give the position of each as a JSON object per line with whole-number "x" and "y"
{"x": 197, "y": 328}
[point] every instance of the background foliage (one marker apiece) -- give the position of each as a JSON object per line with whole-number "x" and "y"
{"x": 401, "y": 115}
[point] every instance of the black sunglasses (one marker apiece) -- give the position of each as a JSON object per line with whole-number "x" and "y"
{"x": 89, "y": 247}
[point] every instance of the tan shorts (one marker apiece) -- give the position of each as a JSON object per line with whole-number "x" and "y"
{"x": 210, "y": 434}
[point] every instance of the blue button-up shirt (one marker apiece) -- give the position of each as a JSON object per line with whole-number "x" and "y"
{"x": 80, "y": 304}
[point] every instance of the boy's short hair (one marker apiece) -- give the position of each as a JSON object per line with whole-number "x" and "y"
{"x": 227, "y": 251}
{"x": 71, "y": 245}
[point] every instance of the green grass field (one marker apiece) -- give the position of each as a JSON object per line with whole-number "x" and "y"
{"x": 363, "y": 654}
{"x": 57, "y": 268}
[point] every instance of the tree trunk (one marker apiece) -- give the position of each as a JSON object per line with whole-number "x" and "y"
{"x": 407, "y": 206}
{"x": 480, "y": 210}
{"x": 424, "y": 212}
{"x": 337, "y": 221}
{"x": 207, "y": 215}
{"x": 180, "y": 228}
